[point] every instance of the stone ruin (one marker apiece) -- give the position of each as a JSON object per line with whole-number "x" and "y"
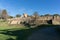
{"x": 55, "y": 20}
{"x": 19, "y": 20}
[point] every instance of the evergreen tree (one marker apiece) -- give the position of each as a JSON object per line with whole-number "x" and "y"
{"x": 18, "y": 15}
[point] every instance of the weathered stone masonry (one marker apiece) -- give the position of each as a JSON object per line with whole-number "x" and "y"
{"x": 41, "y": 20}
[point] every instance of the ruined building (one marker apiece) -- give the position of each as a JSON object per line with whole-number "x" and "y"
{"x": 30, "y": 19}
{"x": 41, "y": 20}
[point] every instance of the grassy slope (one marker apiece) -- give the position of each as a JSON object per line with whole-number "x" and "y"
{"x": 5, "y": 26}
{"x": 17, "y": 32}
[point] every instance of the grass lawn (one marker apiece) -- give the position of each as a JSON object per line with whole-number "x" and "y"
{"x": 18, "y": 32}
{"x": 7, "y": 31}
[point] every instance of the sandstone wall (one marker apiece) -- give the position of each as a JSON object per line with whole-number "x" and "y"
{"x": 17, "y": 20}
{"x": 56, "y": 20}
{"x": 40, "y": 20}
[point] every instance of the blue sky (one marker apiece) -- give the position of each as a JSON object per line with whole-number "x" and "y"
{"x": 30, "y": 6}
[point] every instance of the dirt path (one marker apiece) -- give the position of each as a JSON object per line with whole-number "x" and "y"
{"x": 48, "y": 33}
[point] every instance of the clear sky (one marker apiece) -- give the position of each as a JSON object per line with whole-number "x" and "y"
{"x": 30, "y": 6}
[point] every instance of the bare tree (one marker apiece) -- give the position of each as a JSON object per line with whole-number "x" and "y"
{"x": 4, "y": 14}
{"x": 34, "y": 18}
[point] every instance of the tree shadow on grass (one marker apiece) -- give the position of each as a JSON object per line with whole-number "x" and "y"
{"x": 20, "y": 34}
{"x": 10, "y": 39}
{"x": 23, "y": 34}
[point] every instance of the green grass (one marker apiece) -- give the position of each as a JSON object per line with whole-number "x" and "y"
{"x": 4, "y": 28}
{"x": 5, "y": 37}
{"x": 4, "y": 25}
{"x": 18, "y": 32}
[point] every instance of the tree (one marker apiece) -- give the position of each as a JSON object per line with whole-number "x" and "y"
{"x": 36, "y": 15}
{"x": 18, "y": 15}
{"x": 10, "y": 16}
{"x": 4, "y": 14}
{"x": 41, "y": 15}
{"x": 56, "y": 15}
{"x": 34, "y": 18}
{"x": 0, "y": 14}
{"x": 47, "y": 15}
